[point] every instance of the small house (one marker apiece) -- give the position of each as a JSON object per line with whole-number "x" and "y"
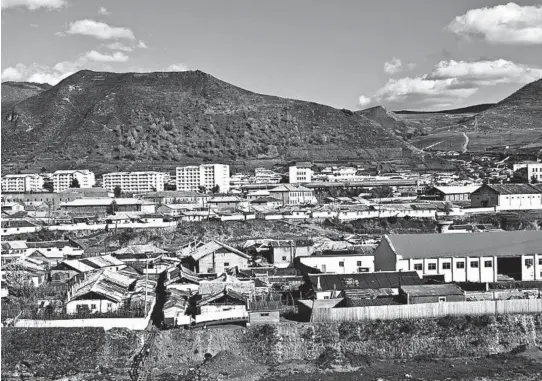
{"x": 507, "y": 197}
{"x": 431, "y": 293}
{"x": 215, "y": 257}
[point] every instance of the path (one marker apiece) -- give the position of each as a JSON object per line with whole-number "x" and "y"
{"x": 464, "y": 149}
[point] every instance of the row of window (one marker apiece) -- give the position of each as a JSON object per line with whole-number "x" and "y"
{"x": 461, "y": 265}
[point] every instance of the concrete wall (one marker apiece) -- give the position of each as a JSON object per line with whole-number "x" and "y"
{"x": 93, "y": 305}
{"x": 264, "y": 317}
{"x": 332, "y": 263}
{"x": 136, "y": 324}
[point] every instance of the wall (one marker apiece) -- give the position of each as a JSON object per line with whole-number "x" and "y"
{"x": 101, "y": 305}
{"x": 136, "y": 324}
{"x": 427, "y": 310}
{"x": 264, "y": 317}
{"x": 217, "y": 262}
{"x": 331, "y": 263}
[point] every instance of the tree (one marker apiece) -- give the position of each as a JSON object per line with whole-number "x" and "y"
{"x": 383, "y": 191}
{"x": 112, "y": 208}
{"x": 48, "y": 186}
{"x": 75, "y": 183}
{"x": 117, "y": 191}
{"x": 534, "y": 179}
{"x": 202, "y": 189}
{"x": 215, "y": 189}
{"x": 520, "y": 176}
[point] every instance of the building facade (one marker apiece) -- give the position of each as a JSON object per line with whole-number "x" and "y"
{"x": 191, "y": 178}
{"x": 62, "y": 180}
{"x": 507, "y": 197}
{"x": 293, "y": 195}
{"x": 340, "y": 263}
{"x": 300, "y": 173}
{"x": 135, "y": 182}
{"x": 22, "y": 183}
{"x": 534, "y": 169}
{"x": 452, "y": 193}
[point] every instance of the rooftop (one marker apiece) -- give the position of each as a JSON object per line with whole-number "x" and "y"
{"x": 457, "y": 189}
{"x": 505, "y": 243}
{"x": 432, "y": 290}
{"x": 513, "y": 188}
{"x": 364, "y": 280}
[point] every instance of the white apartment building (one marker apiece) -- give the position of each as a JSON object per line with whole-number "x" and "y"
{"x": 22, "y": 183}
{"x": 300, "y": 173}
{"x": 135, "y": 182}
{"x": 63, "y": 179}
{"x": 206, "y": 175}
{"x": 534, "y": 169}
{"x": 265, "y": 176}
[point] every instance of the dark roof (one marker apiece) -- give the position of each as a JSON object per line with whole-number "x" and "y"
{"x": 502, "y": 243}
{"x": 47, "y": 244}
{"x": 511, "y": 188}
{"x": 173, "y": 194}
{"x": 365, "y": 280}
{"x": 380, "y": 301}
{"x": 432, "y": 290}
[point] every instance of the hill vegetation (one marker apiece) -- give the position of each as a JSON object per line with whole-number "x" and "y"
{"x": 15, "y": 92}
{"x": 393, "y": 122}
{"x": 180, "y": 117}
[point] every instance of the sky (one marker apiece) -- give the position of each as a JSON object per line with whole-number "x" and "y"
{"x": 401, "y": 54}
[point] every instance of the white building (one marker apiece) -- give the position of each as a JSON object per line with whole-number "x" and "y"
{"x": 22, "y": 183}
{"x": 464, "y": 257}
{"x": 63, "y": 179}
{"x": 534, "y": 169}
{"x": 265, "y": 176}
{"x": 293, "y": 195}
{"x": 508, "y": 196}
{"x": 206, "y": 175}
{"x": 135, "y": 182}
{"x": 300, "y": 173}
{"x": 340, "y": 263}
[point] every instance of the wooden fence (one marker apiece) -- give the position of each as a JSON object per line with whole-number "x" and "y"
{"x": 427, "y": 310}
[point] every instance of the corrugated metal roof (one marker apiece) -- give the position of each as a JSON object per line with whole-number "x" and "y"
{"x": 467, "y": 244}
{"x": 213, "y": 246}
{"x": 365, "y": 280}
{"x": 107, "y": 283}
{"x": 140, "y": 249}
{"x": 457, "y": 189}
{"x": 512, "y": 188}
{"x": 432, "y": 290}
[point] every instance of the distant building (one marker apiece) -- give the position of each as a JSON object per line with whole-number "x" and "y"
{"x": 340, "y": 263}
{"x": 22, "y": 183}
{"x": 91, "y": 206}
{"x": 265, "y": 176}
{"x": 452, "y": 193}
{"x": 135, "y": 182}
{"x": 301, "y": 173}
{"x": 464, "y": 257}
{"x": 175, "y": 197}
{"x": 534, "y": 169}
{"x": 62, "y": 180}
{"x": 293, "y": 195}
{"x": 191, "y": 178}
{"x": 431, "y": 293}
{"x": 507, "y": 197}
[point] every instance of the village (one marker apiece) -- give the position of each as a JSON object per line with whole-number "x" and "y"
{"x": 66, "y": 261}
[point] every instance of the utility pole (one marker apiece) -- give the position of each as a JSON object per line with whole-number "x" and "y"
{"x": 146, "y": 280}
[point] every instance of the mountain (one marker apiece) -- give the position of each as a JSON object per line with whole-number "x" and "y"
{"x": 132, "y": 120}
{"x": 475, "y": 109}
{"x": 14, "y": 92}
{"x": 521, "y": 110}
{"x": 392, "y": 122}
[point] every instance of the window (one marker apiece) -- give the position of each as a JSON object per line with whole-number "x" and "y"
{"x": 431, "y": 266}
{"x": 488, "y": 264}
{"x": 441, "y": 299}
{"x": 446, "y": 266}
{"x": 540, "y": 261}
{"x": 226, "y": 264}
{"x": 264, "y": 314}
{"x": 283, "y": 257}
{"x": 460, "y": 265}
{"x": 210, "y": 270}
{"x": 418, "y": 267}
{"x": 109, "y": 305}
{"x": 528, "y": 262}
{"x": 93, "y": 306}
{"x": 474, "y": 265}
{"x": 358, "y": 263}
{"x": 341, "y": 264}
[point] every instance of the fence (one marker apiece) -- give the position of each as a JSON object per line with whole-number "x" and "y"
{"x": 427, "y": 310}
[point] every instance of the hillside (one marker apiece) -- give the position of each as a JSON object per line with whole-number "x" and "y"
{"x": 474, "y": 109}
{"x": 116, "y": 119}
{"x": 392, "y": 122}
{"x": 14, "y": 92}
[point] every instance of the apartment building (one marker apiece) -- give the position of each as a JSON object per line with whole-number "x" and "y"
{"x": 63, "y": 179}
{"x": 135, "y": 182}
{"x": 534, "y": 169}
{"x": 300, "y": 173}
{"x": 191, "y": 178}
{"x": 22, "y": 183}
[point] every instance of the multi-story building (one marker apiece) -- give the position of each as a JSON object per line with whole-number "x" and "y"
{"x": 293, "y": 195}
{"x": 135, "y": 182}
{"x": 265, "y": 176}
{"x": 22, "y": 183}
{"x": 534, "y": 169}
{"x": 205, "y": 175}
{"x": 300, "y": 173}
{"x": 62, "y": 180}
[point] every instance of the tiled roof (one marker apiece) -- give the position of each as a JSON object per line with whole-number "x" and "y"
{"x": 365, "y": 280}
{"x": 432, "y": 290}
{"x": 107, "y": 283}
{"x": 513, "y": 188}
{"x": 213, "y": 246}
{"x": 504, "y": 243}
{"x": 140, "y": 249}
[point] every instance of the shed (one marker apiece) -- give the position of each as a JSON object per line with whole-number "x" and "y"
{"x": 432, "y": 293}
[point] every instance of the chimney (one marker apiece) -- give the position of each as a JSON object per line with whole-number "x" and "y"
{"x": 443, "y": 226}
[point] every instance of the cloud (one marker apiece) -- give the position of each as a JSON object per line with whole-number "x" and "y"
{"x": 119, "y": 46}
{"x": 364, "y": 101}
{"x": 502, "y": 24}
{"x": 99, "y": 30}
{"x": 451, "y": 81}
{"x": 103, "y": 11}
{"x": 99, "y": 57}
{"x": 393, "y": 66}
{"x": 177, "y": 67}
{"x": 142, "y": 45}
{"x": 38, "y": 73}
{"x": 34, "y": 4}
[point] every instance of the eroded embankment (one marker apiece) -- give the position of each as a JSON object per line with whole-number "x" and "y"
{"x": 65, "y": 351}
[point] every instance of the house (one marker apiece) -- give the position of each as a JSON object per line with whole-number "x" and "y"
{"x": 329, "y": 286}
{"x": 226, "y": 202}
{"x": 26, "y": 270}
{"x": 139, "y": 252}
{"x": 175, "y": 197}
{"x": 346, "y": 262}
{"x": 175, "y": 308}
{"x": 10, "y": 208}
{"x": 452, "y": 193}
{"x": 56, "y": 249}
{"x": 18, "y": 226}
{"x": 246, "y": 288}
{"x": 264, "y": 317}
{"x": 464, "y": 257}
{"x": 534, "y": 169}
{"x": 507, "y": 197}
{"x": 281, "y": 253}
{"x": 102, "y": 206}
{"x": 100, "y": 292}
{"x": 175, "y": 210}
{"x": 225, "y": 305}
{"x": 257, "y": 194}
{"x": 431, "y": 293}
{"x": 13, "y": 250}
{"x": 67, "y": 269}
{"x": 305, "y": 307}
{"x": 266, "y": 201}
{"x": 290, "y": 194}
{"x": 215, "y": 257}
{"x": 181, "y": 278}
